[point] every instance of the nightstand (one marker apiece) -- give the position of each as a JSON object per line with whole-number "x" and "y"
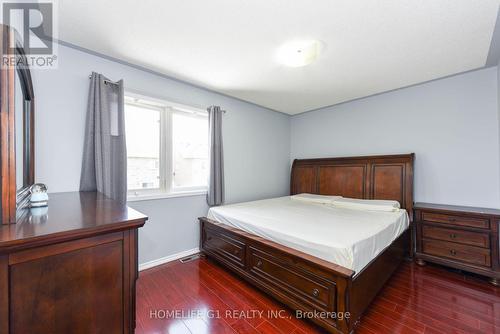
{"x": 461, "y": 237}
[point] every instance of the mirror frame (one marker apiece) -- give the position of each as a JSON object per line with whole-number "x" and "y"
{"x": 13, "y": 201}
{"x": 24, "y": 74}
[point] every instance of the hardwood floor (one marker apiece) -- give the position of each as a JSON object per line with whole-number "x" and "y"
{"x": 416, "y": 300}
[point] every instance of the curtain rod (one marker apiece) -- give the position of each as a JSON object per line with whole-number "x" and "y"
{"x": 106, "y": 81}
{"x": 116, "y": 83}
{"x": 223, "y": 111}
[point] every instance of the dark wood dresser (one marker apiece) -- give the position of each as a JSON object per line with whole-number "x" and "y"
{"x": 70, "y": 268}
{"x": 461, "y": 237}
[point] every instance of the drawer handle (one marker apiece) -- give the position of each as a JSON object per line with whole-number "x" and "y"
{"x": 453, "y": 219}
{"x": 259, "y": 263}
{"x": 453, "y": 235}
{"x": 316, "y": 293}
{"x": 236, "y": 252}
{"x": 453, "y": 252}
{"x": 209, "y": 238}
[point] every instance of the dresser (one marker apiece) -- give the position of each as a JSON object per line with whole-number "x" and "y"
{"x": 70, "y": 268}
{"x": 461, "y": 237}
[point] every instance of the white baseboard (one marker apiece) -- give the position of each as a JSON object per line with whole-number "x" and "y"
{"x": 170, "y": 258}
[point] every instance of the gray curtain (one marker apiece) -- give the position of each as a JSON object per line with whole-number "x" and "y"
{"x": 104, "y": 165}
{"x": 215, "y": 195}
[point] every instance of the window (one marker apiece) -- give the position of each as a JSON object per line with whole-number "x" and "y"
{"x": 167, "y": 147}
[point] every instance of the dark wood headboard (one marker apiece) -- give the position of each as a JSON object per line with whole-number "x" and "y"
{"x": 388, "y": 177}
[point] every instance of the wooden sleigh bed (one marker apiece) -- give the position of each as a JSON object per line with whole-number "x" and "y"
{"x": 307, "y": 283}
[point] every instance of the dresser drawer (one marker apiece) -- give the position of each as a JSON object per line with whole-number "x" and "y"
{"x": 309, "y": 289}
{"x": 462, "y": 253}
{"x": 463, "y": 237}
{"x": 229, "y": 248}
{"x": 456, "y": 220}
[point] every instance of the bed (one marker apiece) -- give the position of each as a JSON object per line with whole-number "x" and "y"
{"x": 317, "y": 226}
{"x": 284, "y": 246}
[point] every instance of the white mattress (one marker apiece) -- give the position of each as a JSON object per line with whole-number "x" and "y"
{"x": 348, "y": 237}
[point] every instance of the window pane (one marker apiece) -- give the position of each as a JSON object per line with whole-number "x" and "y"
{"x": 142, "y": 128}
{"x": 190, "y": 150}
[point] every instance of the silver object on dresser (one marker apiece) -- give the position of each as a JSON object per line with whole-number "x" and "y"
{"x": 39, "y": 196}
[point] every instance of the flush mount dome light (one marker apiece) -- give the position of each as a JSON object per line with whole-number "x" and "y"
{"x": 299, "y": 53}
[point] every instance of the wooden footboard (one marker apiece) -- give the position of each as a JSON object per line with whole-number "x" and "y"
{"x": 318, "y": 290}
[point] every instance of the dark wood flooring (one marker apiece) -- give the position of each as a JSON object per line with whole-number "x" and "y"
{"x": 200, "y": 297}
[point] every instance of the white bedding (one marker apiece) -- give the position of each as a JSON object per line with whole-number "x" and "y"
{"x": 349, "y": 203}
{"x": 345, "y": 236}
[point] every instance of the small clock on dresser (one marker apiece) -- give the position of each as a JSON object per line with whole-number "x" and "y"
{"x": 461, "y": 237}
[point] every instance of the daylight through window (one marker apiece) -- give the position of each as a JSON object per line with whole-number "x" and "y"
{"x": 167, "y": 147}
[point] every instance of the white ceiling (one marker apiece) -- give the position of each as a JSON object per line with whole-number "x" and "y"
{"x": 229, "y": 46}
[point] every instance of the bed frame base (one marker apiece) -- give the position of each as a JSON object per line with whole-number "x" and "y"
{"x": 304, "y": 282}
{"x": 300, "y": 281}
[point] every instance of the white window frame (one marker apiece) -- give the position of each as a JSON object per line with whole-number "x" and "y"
{"x": 166, "y": 109}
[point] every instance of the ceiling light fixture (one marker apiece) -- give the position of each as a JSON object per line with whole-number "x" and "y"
{"x": 299, "y": 53}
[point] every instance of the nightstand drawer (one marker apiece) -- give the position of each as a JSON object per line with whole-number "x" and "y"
{"x": 457, "y": 252}
{"x": 462, "y": 237}
{"x": 456, "y": 220}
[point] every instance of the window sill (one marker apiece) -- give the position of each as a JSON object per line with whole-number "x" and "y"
{"x": 148, "y": 197}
